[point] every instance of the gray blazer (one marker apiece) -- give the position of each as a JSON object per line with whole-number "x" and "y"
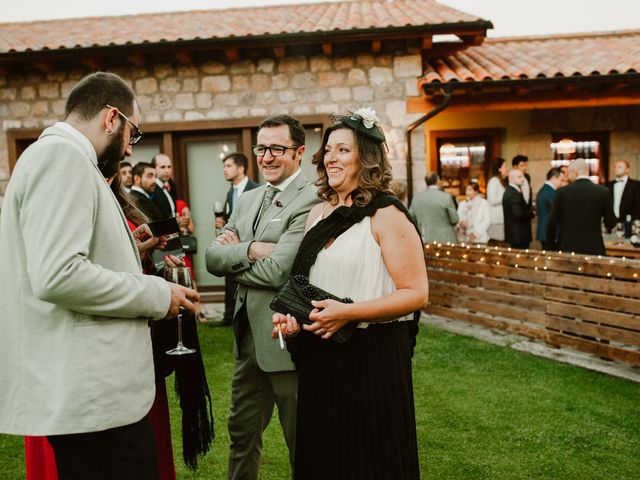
{"x": 282, "y": 223}
{"x": 76, "y": 351}
{"x": 435, "y": 214}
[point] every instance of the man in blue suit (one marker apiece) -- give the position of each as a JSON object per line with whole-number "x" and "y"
{"x": 544, "y": 202}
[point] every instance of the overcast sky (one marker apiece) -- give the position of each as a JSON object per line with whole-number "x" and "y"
{"x": 510, "y": 17}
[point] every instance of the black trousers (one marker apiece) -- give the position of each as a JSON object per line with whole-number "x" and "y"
{"x": 123, "y": 453}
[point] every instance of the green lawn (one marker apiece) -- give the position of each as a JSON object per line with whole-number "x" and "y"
{"x": 482, "y": 412}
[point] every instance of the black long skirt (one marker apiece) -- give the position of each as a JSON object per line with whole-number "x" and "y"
{"x": 356, "y": 417}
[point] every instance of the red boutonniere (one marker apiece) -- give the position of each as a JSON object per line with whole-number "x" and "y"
{"x": 278, "y": 203}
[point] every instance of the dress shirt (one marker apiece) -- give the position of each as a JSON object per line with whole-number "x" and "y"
{"x": 618, "y": 189}
{"x": 238, "y": 190}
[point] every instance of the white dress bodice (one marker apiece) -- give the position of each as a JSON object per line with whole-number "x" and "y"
{"x": 352, "y": 266}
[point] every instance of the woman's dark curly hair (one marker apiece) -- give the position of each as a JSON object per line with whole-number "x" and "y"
{"x": 374, "y": 173}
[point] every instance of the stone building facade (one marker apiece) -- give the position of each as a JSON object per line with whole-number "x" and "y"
{"x": 247, "y": 88}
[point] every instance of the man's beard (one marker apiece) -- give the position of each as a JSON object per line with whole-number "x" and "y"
{"x": 112, "y": 155}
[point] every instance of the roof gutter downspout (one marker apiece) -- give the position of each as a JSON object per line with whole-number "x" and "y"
{"x": 411, "y": 128}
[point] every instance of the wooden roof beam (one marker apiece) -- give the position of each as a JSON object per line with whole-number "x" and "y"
{"x": 136, "y": 59}
{"x": 184, "y": 57}
{"x": 232, "y": 54}
{"x": 43, "y": 65}
{"x": 550, "y": 99}
{"x": 376, "y": 45}
{"x": 279, "y": 51}
{"x": 472, "y": 40}
{"x": 93, "y": 63}
{"x": 327, "y": 49}
{"x": 427, "y": 42}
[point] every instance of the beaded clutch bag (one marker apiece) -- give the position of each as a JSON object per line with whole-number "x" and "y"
{"x": 295, "y": 298}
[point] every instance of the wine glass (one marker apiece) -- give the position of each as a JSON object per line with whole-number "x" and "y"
{"x": 181, "y": 276}
{"x": 619, "y": 230}
{"x": 218, "y": 209}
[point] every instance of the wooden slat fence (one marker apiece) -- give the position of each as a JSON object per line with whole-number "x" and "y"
{"x": 585, "y": 302}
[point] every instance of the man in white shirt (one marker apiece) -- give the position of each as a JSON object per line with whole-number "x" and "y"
{"x": 234, "y": 169}
{"x": 76, "y": 358}
{"x": 625, "y": 192}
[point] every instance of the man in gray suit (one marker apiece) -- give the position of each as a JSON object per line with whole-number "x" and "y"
{"x": 76, "y": 352}
{"x": 258, "y": 246}
{"x": 434, "y": 212}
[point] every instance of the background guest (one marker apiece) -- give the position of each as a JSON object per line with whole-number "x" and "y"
{"x": 544, "y": 201}
{"x": 165, "y": 194}
{"x": 495, "y": 191}
{"x": 564, "y": 180}
{"x": 625, "y": 193}
{"x": 126, "y": 176}
{"x": 234, "y": 167}
{"x": 520, "y": 162}
{"x": 400, "y": 190}
{"x": 434, "y": 212}
{"x": 475, "y": 216}
{"x": 517, "y": 212}
{"x": 578, "y": 212}
{"x": 144, "y": 184}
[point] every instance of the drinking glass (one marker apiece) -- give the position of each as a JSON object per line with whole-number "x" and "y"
{"x": 619, "y": 231}
{"x": 218, "y": 209}
{"x": 181, "y": 276}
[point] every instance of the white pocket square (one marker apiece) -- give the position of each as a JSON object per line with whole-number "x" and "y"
{"x": 275, "y": 220}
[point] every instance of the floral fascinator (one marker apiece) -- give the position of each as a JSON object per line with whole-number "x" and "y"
{"x": 364, "y": 121}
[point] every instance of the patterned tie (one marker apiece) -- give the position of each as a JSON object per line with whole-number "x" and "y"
{"x": 167, "y": 186}
{"x": 269, "y": 193}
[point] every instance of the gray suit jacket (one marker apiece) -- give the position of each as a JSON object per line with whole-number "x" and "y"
{"x": 76, "y": 351}
{"x": 436, "y": 215}
{"x": 282, "y": 223}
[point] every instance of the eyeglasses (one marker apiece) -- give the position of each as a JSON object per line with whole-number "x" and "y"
{"x": 136, "y": 135}
{"x": 275, "y": 150}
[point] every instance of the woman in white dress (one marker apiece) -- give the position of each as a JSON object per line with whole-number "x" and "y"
{"x": 356, "y": 416}
{"x": 474, "y": 214}
{"x": 495, "y": 191}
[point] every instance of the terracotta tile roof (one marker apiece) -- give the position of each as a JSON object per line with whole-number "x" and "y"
{"x": 518, "y": 58}
{"x": 238, "y": 23}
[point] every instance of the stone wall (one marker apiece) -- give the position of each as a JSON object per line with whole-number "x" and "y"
{"x": 215, "y": 90}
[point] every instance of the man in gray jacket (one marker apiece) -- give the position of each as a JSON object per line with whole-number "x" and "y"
{"x": 76, "y": 351}
{"x": 257, "y": 246}
{"x": 434, "y": 212}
